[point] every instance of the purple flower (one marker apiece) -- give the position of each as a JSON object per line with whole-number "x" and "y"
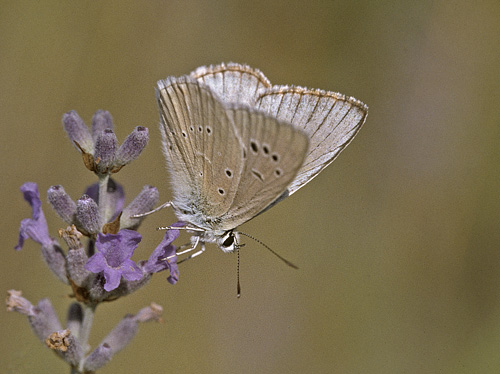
{"x": 113, "y": 253}
{"x": 35, "y": 228}
{"x": 163, "y": 257}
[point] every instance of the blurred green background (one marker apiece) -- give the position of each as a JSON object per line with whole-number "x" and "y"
{"x": 398, "y": 241}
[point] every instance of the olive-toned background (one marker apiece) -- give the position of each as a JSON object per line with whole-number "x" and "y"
{"x": 398, "y": 241}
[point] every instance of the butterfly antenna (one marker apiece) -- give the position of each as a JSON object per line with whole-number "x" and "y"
{"x": 270, "y": 250}
{"x": 238, "y": 287}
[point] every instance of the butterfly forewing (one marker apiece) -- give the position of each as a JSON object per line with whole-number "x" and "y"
{"x": 202, "y": 148}
{"x": 233, "y": 83}
{"x": 330, "y": 120}
{"x": 273, "y": 154}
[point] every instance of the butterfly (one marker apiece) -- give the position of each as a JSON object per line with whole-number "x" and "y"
{"x": 235, "y": 145}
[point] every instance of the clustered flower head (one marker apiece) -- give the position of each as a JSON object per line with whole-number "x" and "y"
{"x": 101, "y": 238}
{"x": 99, "y": 148}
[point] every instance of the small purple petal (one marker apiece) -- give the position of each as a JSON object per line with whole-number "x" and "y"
{"x": 163, "y": 257}
{"x": 32, "y": 196}
{"x": 131, "y": 271}
{"x": 113, "y": 253}
{"x": 96, "y": 263}
{"x": 113, "y": 277}
{"x": 35, "y": 228}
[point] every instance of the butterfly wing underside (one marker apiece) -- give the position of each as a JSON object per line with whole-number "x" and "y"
{"x": 233, "y": 83}
{"x": 331, "y": 121}
{"x": 202, "y": 147}
{"x": 273, "y": 154}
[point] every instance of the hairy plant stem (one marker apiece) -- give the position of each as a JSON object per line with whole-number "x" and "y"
{"x": 88, "y": 319}
{"x": 105, "y": 210}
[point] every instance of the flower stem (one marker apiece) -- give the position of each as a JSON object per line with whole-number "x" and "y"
{"x": 104, "y": 203}
{"x": 88, "y": 319}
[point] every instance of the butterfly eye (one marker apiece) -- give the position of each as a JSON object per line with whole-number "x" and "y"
{"x": 229, "y": 240}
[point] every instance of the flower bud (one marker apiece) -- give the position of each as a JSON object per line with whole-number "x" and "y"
{"x": 87, "y": 214}
{"x": 101, "y": 121}
{"x": 77, "y": 131}
{"x": 64, "y": 206}
{"x": 132, "y": 146}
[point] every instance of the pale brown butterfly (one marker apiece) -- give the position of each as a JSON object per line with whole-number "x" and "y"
{"x": 235, "y": 145}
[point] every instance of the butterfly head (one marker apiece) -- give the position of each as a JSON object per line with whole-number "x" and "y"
{"x": 229, "y": 241}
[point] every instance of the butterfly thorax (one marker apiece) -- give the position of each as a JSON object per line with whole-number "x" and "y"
{"x": 192, "y": 214}
{"x": 207, "y": 229}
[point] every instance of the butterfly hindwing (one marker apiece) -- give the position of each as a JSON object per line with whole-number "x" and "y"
{"x": 233, "y": 83}
{"x": 273, "y": 153}
{"x": 331, "y": 120}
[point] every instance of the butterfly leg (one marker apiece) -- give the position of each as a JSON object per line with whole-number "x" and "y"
{"x": 164, "y": 205}
{"x": 194, "y": 254}
{"x": 192, "y": 247}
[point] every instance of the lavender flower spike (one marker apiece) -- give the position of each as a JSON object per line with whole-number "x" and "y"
{"x": 113, "y": 258}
